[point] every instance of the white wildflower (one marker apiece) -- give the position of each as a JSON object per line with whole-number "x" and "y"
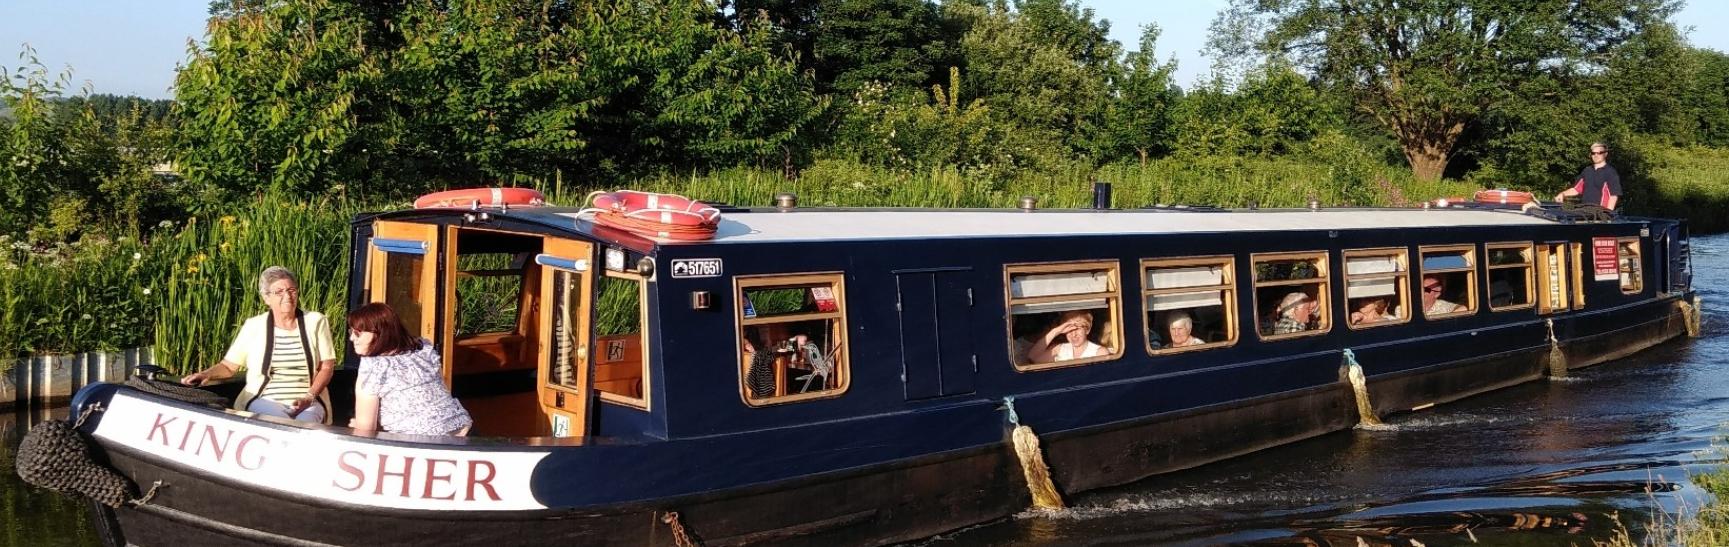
{"x": 136, "y": 256}
{"x": 85, "y": 317}
{"x": 147, "y": 291}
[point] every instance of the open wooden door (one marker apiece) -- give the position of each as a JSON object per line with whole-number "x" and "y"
{"x": 567, "y": 372}
{"x": 403, "y": 273}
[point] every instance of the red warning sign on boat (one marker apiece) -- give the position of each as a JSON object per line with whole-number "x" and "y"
{"x": 1603, "y": 258}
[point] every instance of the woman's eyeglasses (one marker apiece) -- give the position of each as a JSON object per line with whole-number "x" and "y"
{"x": 279, "y": 293}
{"x": 1432, "y": 288}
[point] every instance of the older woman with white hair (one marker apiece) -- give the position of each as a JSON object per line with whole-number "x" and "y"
{"x": 278, "y": 350}
{"x": 1181, "y": 328}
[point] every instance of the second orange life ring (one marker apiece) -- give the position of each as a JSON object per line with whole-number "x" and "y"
{"x": 1504, "y": 197}
{"x": 664, "y": 216}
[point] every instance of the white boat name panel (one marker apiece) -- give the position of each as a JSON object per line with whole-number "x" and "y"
{"x": 696, "y": 267}
{"x": 323, "y": 465}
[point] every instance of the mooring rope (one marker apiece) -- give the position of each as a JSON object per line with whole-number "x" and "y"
{"x": 680, "y": 536}
{"x": 1360, "y": 388}
{"x": 92, "y": 408}
{"x": 154, "y": 487}
{"x": 1557, "y": 358}
{"x": 1039, "y": 484}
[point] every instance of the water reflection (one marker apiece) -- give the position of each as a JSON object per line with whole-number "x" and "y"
{"x": 29, "y": 516}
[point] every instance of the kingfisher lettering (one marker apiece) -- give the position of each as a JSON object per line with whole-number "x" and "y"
{"x": 323, "y": 463}
{"x": 435, "y": 478}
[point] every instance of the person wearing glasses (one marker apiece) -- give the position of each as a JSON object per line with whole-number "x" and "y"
{"x": 1598, "y": 184}
{"x": 278, "y": 349}
{"x": 1433, "y": 286}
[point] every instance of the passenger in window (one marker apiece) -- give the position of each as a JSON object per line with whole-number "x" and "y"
{"x": 1433, "y": 286}
{"x": 1372, "y": 310}
{"x": 1181, "y": 329}
{"x": 1070, "y": 335}
{"x": 400, "y": 388}
{"x": 1296, "y": 313}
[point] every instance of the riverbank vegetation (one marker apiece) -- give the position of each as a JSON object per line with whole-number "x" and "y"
{"x": 129, "y": 222}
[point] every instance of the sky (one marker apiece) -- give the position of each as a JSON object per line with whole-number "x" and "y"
{"x": 132, "y": 47}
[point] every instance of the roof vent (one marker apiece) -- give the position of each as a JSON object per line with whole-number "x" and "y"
{"x": 786, "y": 201}
{"x": 1314, "y": 204}
{"x": 1029, "y": 203}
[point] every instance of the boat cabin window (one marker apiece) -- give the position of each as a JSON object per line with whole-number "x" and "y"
{"x": 1627, "y": 251}
{"x": 1377, "y": 290}
{"x": 488, "y": 286}
{"x": 1449, "y": 281}
{"x": 1190, "y": 303}
{"x": 1291, "y": 294}
{"x": 792, "y": 337}
{"x": 565, "y": 298}
{"x": 1510, "y": 276}
{"x": 1064, "y": 314}
{"x": 620, "y": 364}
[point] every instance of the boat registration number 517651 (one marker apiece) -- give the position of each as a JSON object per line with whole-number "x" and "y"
{"x": 695, "y": 267}
{"x": 321, "y": 463}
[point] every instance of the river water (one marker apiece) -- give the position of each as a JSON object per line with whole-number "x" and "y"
{"x": 1558, "y": 462}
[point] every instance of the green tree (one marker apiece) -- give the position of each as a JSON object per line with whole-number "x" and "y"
{"x": 1707, "y": 96}
{"x": 1425, "y": 71}
{"x": 1273, "y": 111}
{"x": 902, "y": 43}
{"x": 1044, "y": 65}
{"x": 400, "y": 97}
{"x": 287, "y": 96}
{"x": 1140, "y": 114}
{"x": 73, "y": 165}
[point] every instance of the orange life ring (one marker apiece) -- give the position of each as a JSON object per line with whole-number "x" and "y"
{"x": 663, "y": 216}
{"x": 1504, "y": 197}
{"x": 482, "y": 197}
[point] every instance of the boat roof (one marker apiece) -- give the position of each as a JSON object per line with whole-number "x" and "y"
{"x": 814, "y": 224}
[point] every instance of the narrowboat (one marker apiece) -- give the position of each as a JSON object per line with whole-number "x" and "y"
{"x": 852, "y": 376}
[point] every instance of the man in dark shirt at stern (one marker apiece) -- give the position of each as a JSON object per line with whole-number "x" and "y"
{"x": 1598, "y": 183}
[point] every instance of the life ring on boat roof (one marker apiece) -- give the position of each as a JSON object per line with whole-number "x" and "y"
{"x": 663, "y": 216}
{"x": 482, "y": 197}
{"x": 1503, "y": 197}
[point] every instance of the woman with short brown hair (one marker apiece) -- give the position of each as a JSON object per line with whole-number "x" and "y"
{"x": 401, "y": 383}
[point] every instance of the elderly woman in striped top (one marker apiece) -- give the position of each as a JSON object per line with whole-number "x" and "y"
{"x": 278, "y": 350}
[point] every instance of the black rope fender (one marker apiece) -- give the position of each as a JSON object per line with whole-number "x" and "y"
{"x": 56, "y": 456}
